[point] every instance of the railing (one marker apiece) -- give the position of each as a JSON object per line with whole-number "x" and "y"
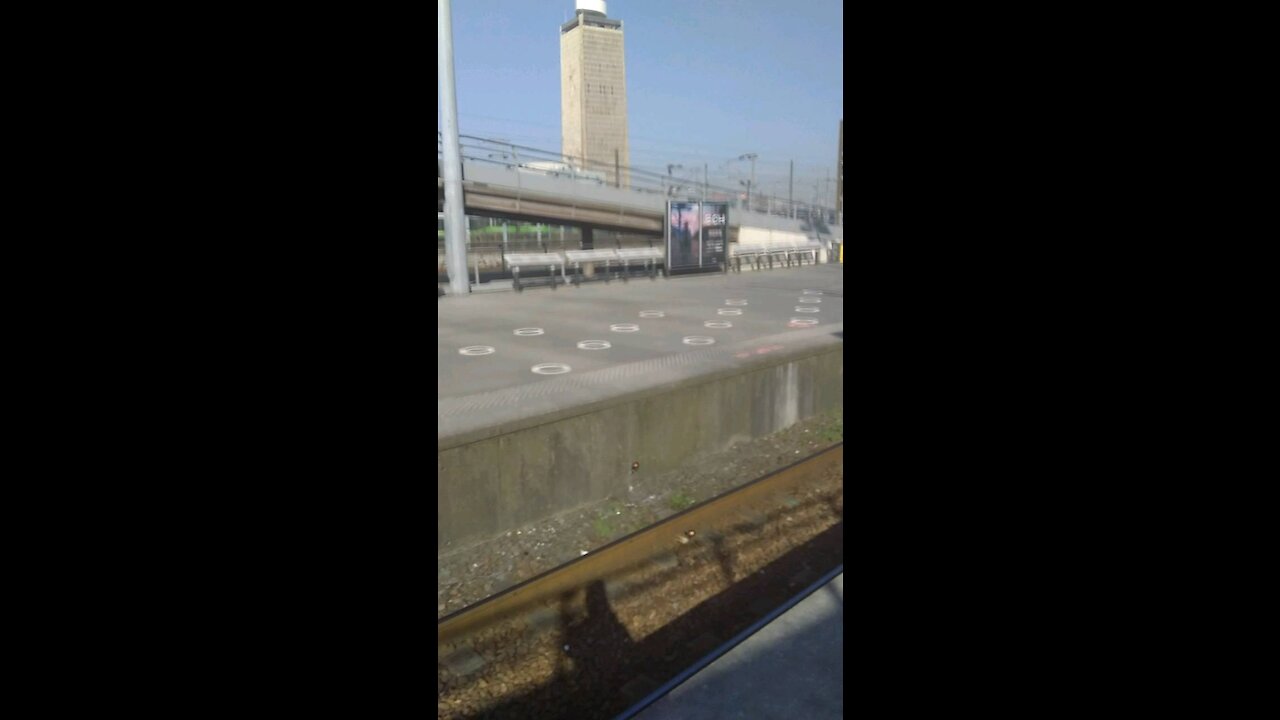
{"x": 486, "y": 248}
{"x": 521, "y": 158}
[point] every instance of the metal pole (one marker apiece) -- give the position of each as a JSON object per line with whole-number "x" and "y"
{"x": 455, "y": 234}
{"x": 791, "y": 190}
{"x": 753, "y": 181}
{"x": 617, "y": 169}
{"x": 704, "y": 182}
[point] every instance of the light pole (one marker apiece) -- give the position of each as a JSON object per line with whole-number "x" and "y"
{"x": 775, "y": 200}
{"x": 455, "y": 230}
{"x": 752, "y": 157}
{"x": 671, "y": 181}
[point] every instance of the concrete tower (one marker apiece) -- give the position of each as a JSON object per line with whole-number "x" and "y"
{"x": 593, "y": 92}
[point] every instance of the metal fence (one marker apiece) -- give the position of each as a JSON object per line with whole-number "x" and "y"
{"x": 489, "y": 240}
{"x": 547, "y": 162}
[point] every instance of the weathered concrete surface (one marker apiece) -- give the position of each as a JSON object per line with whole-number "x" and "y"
{"x": 514, "y": 446}
{"x": 550, "y": 455}
{"x": 570, "y": 315}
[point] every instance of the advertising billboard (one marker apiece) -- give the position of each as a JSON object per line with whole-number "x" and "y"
{"x": 697, "y": 235}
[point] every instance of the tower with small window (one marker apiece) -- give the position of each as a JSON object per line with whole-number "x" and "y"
{"x": 593, "y": 93}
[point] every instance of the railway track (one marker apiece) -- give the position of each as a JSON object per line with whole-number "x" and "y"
{"x": 595, "y": 637}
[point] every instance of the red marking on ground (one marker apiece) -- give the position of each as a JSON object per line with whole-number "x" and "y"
{"x": 758, "y": 351}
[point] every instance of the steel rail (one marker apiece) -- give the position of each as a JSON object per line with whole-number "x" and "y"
{"x": 629, "y": 551}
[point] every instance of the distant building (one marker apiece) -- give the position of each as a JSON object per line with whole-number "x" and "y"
{"x": 593, "y": 92}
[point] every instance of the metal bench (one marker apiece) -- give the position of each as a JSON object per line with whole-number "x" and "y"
{"x": 577, "y": 257}
{"x": 649, "y": 256}
{"x": 515, "y": 261}
{"x": 750, "y": 253}
{"x": 810, "y": 248}
{"x": 781, "y": 251}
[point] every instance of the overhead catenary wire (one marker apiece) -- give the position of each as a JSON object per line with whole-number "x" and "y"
{"x": 503, "y": 151}
{"x": 701, "y": 150}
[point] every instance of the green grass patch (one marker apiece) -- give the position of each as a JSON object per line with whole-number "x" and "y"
{"x": 609, "y": 523}
{"x": 831, "y": 427}
{"x": 680, "y": 500}
{"x": 603, "y": 528}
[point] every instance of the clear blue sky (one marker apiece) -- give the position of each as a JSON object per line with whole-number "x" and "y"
{"x": 707, "y": 80}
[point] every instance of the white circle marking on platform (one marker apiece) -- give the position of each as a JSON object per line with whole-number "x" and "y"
{"x": 717, "y": 325}
{"x": 652, "y": 314}
{"x": 528, "y": 332}
{"x": 810, "y": 300}
{"x": 595, "y": 345}
{"x": 803, "y": 322}
{"x": 625, "y": 327}
{"x": 699, "y": 340}
{"x": 475, "y": 350}
{"x": 551, "y": 368}
{"x": 806, "y": 308}
{"x": 738, "y": 303}
{"x": 728, "y": 311}
{"x": 812, "y": 292}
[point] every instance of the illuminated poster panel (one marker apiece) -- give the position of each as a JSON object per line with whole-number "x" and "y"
{"x": 697, "y": 235}
{"x": 715, "y": 234}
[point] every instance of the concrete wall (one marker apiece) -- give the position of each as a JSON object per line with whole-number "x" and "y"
{"x": 747, "y": 218}
{"x": 503, "y": 481}
{"x": 765, "y": 236}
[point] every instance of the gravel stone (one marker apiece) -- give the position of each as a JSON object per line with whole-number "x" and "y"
{"x": 464, "y": 661}
{"x": 667, "y": 561}
{"x": 542, "y": 619}
{"x": 616, "y": 588}
{"x": 470, "y": 573}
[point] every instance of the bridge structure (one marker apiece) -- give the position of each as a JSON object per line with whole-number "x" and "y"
{"x": 521, "y": 184}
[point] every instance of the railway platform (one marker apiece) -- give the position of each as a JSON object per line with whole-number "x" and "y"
{"x": 497, "y": 341}
{"x": 551, "y": 399}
